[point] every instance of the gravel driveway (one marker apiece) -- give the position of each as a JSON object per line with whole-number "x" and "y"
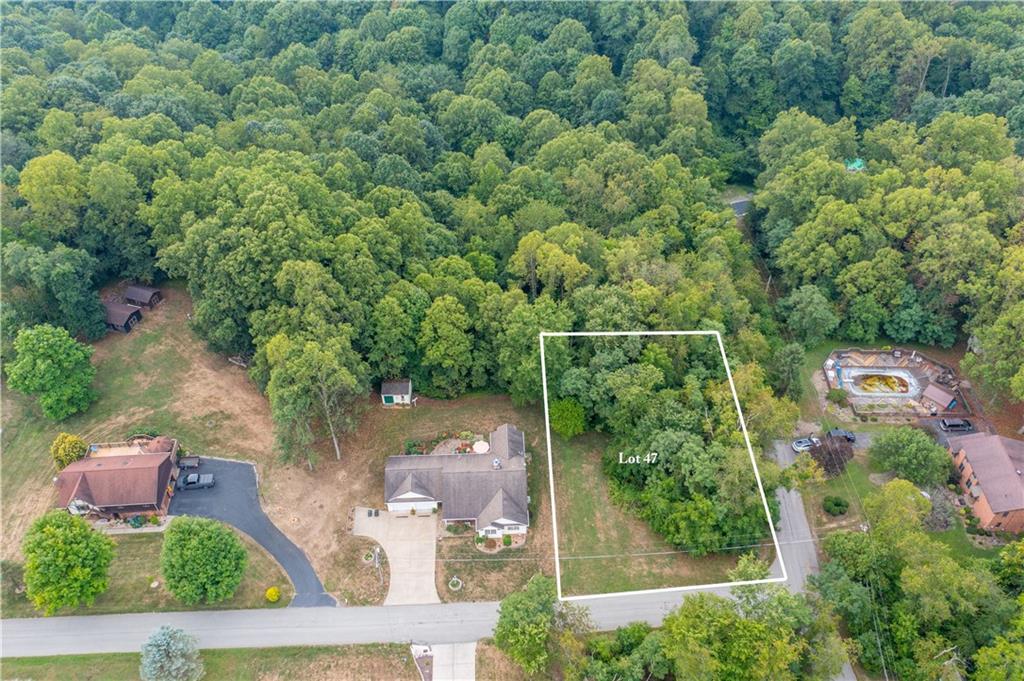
{"x": 235, "y": 501}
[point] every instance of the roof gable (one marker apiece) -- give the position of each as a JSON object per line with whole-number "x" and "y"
{"x": 132, "y": 480}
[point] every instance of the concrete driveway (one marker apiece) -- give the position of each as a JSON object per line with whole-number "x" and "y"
{"x": 454, "y": 661}
{"x": 410, "y": 543}
{"x": 235, "y": 501}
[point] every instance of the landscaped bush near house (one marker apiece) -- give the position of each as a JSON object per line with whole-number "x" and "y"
{"x": 490, "y": 544}
{"x": 66, "y": 449}
{"x": 506, "y": 540}
{"x": 273, "y": 594}
{"x": 835, "y": 506}
{"x": 202, "y": 560}
{"x": 136, "y": 521}
{"x": 837, "y": 396}
{"x": 478, "y": 539}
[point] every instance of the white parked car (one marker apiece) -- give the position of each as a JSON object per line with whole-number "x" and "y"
{"x": 805, "y": 443}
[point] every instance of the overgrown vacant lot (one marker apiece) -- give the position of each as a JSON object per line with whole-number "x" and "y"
{"x": 136, "y": 566}
{"x": 342, "y": 663}
{"x": 605, "y": 549}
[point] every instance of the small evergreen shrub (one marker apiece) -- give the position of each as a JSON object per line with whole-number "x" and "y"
{"x": 170, "y": 655}
{"x": 506, "y": 540}
{"x": 835, "y": 506}
{"x": 837, "y": 396}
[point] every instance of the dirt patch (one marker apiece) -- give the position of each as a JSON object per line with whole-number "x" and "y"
{"x": 362, "y": 662}
{"x": 494, "y": 665}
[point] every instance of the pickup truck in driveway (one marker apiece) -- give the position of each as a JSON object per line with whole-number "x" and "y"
{"x": 196, "y": 481}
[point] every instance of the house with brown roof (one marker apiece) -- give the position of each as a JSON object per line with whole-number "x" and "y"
{"x": 121, "y": 479}
{"x": 991, "y": 470}
{"x": 485, "y": 489}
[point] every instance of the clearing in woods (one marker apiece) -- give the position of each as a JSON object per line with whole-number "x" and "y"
{"x": 604, "y": 549}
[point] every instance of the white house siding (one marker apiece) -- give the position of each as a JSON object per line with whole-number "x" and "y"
{"x": 491, "y": 531}
{"x": 406, "y": 506}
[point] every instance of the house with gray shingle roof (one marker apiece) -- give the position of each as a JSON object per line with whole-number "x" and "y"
{"x": 486, "y": 490}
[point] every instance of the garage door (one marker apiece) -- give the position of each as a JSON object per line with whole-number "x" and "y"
{"x": 406, "y": 506}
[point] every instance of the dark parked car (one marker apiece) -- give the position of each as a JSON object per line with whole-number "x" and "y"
{"x": 840, "y": 434}
{"x": 956, "y": 425}
{"x": 196, "y": 481}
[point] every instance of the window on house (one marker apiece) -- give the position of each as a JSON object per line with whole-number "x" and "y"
{"x": 961, "y": 466}
{"x": 1004, "y": 514}
{"x": 969, "y": 482}
{"x": 490, "y": 531}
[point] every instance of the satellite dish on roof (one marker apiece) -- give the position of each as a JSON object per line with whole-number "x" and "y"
{"x": 481, "y": 447}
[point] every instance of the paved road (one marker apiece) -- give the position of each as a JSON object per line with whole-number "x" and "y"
{"x": 434, "y": 624}
{"x": 235, "y": 500}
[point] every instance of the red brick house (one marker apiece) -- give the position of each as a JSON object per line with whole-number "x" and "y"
{"x": 991, "y": 470}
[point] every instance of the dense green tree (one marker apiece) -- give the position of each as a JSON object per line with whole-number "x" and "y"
{"x": 66, "y": 562}
{"x": 445, "y": 345}
{"x": 202, "y": 560}
{"x": 912, "y": 454}
{"x": 525, "y": 620}
{"x": 53, "y": 367}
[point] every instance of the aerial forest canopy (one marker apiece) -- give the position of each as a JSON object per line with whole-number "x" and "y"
{"x": 360, "y": 191}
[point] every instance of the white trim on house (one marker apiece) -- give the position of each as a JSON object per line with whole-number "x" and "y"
{"x": 406, "y": 506}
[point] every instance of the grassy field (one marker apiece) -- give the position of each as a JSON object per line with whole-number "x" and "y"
{"x": 342, "y": 663}
{"x": 494, "y": 665}
{"x": 136, "y": 566}
{"x": 602, "y": 547}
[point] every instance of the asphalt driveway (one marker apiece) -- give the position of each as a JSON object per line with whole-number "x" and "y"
{"x": 410, "y": 542}
{"x": 234, "y": 500}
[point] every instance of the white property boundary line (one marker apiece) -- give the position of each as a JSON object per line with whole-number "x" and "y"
{"x": 746, "y": 439}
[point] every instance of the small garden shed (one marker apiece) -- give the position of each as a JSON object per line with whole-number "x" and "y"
{"x": 142, "y": 296}
{"x": 122, "y": 317}
{"x": 397, "y": 393}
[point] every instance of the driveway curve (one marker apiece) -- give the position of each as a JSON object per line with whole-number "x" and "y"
{"x": 235, "y": 501}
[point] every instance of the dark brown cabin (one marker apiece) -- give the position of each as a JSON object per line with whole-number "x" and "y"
{"x": 122, "y": 317}
{"x": 142, "y": 296}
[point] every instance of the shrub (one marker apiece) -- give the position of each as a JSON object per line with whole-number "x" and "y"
{"x": 478, "y": 539}
{"x": 273, "y": 594}
{"x": 837, "y": 396}
{"x": 66, "y": 449}
{"x": 154, "y": 520}
{"x": 490, "y": 544}
{"x": 202, "y": 560}
{"x": 170, "y": 655}
{"x": 567, "y": 418}
{"x": 835, "y": 506}
{"x": 136, "y": 521}
{"x": 506, "y": 540}
{"x": 66, "y": 562}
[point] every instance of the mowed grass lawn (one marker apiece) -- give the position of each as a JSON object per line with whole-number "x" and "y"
{"x": 342, "y": 663}
{"x": 603, "y": 548}
{"x": 855, "y": 485}
{"x": 136, "y": 566}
